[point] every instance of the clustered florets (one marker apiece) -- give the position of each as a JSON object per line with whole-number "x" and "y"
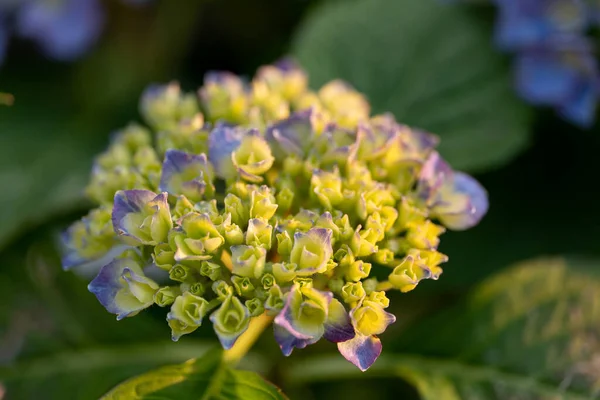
{"x": 275, "y": 199}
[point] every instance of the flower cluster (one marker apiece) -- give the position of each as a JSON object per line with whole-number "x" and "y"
{"x": 274, "y": 200}
{"x": 64, "y": 29}
{"x": 554, "y": 60}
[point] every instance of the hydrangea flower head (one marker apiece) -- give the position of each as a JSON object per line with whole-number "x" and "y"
{"x": 269, "y": 198}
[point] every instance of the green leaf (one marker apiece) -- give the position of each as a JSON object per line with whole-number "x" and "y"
{"x": 528, "y": 333}
{"x": 432, "y": 65}
{"x": 204, "y": 378}
{"x": 88, "y": 373}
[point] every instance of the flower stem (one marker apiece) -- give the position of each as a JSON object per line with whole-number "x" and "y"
{"x": 248, "y": 338}
{"x": 385, "y": 286}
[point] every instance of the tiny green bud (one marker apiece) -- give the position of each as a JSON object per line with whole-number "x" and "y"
{"x": 164, "y": 256}
{"x": 384, "y": 256}
{"x": 379, "y": 298}
{"x": 274, "y": 302}
{"x": 211, "y": 270}
{"x": 222, "y": 289}
{"x": 284, "y": 272}
{"x": 255, "y": 307}
{"x": 259, "y": 233}
{"x": 285, "y": 200}
{"x": 230, "y": 320}
{"x": 424, "y": 235}
{"x": 243, "y": 286}
{"x": 262, "y": 203}
{"x": 181, "y": 273}
{"x": 186, "y": 314}
{"x": 253, "y": 157}
{"x": 284, "y": 243}
{"x": 166, "y": 295}
{"x": 353, "y": 292}
{"x": 336, "y": 285}
{"x": 248, "y": 260}
{"x": 326, "y": 187}
{"x": 358, "y": 270}
{"x": 370, "y": 285}
{"x": 196, "y": 288}
{"x": 267, "y": 280}
{"x": 235, "y": 206}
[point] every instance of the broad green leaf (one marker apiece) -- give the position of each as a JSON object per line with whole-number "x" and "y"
{"x": 204, "y": 378}
{"x": 433, "y": 65}
{"x": 528, "y": 333}
{"x": 88, "y": 373}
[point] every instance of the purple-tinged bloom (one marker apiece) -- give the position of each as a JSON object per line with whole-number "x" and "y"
{"x": 186, "y": 174}
{"x": 361, "y": 351}
{"x": 122, "y": 288}
{"x": 292, "y": 135}
{"x": 64, "y": 29}
{"x": 222, "y": 142}
{"x": 523, "y": 23}
{"x": 369, "y": 319}
{"x": 141, "y": 216}
{"x": 562, "y": 74}
{"x": 307, "y": 316}
{"x": 455, "y": 198}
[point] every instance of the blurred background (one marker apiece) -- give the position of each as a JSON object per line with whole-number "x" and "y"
{"x": 435, "y": 65}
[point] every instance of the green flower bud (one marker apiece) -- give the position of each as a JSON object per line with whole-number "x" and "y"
{"x": 363, "y": 242}
{"x": 336, "y": 285}
{"x": 284, "y": 243}
{"x": 304, "y": 282}
{"x": 371, "y": 319}
{"x": 267, "y": 280}
{"x": 312, "y": 250}
{"x": 429, "y": 260}
{"x": 222, "y": 289}
{"x": 347, "y": 105}
{"x": 164, "y": 256}
{"x": 284, "y": 272}
{"x": 166, "y": 295}
{"x": 183, "y": 206}
{"x": 233, "y": 235}
{"x": 235, "y": 206}
{"x": 248, "y": 261}
{"x": 274, "y": 302}
{"x": 209, "y": 208}
{"x": 384, "y": 256}
{"x": 374, "y": 200}
{"x": 255, "y": 307}
{"x": 211, "y": 270}
{"x": 424, "y": 235}
{"x": 262, "y": 203}
{"x": 379, "y": 298}
{"x": 164, "y": 106}
{"x": 370, "y": 285}
{"x": 259, "y": 233}
{"x": 186, "y": 314}
{"x": 409, "y": 214}
{"x": 292, "y": 165}
{"x": 223, "y": 97}
{"x": 199, "y": 239}
{"x": 376, "y": 226}
{"x": 344, "y": 256}
{"x": 326, "y": 221}
{"x": 285, "y": 200}
{"x": 343, "y": 223}
{"x": 190, "y": 135}
{"x": 196, "y": 288}
{"x": 352, "y": 292}
{"x": 182, "y": 273}
{"x": 230, "y": 320}
{"x": 253, "y": 157}
{"x": 327, "y": 188}
{"x": 243, "y": 286}
{"x": 358, "y": 270}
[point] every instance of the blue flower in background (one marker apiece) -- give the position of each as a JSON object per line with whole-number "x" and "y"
{"x": 563, "y": 75}
{"x": 554, "y": 62}
{"x": 530, "y": 22}
{"x": 64, "y": 29}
